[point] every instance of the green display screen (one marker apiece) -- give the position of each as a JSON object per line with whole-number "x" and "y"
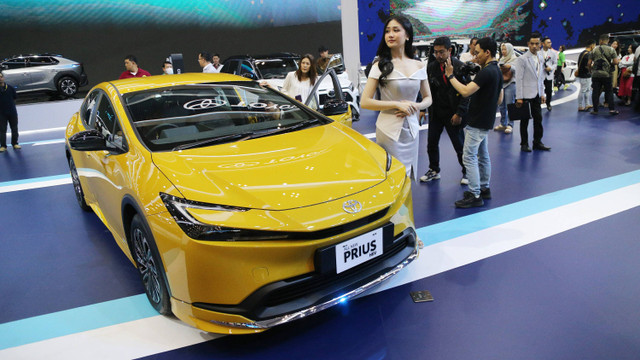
{"x": 169, "y": 13}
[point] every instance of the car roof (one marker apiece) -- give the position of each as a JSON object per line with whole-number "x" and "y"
{"x": 32, "y": 55}
{"x": 131, "y": 85}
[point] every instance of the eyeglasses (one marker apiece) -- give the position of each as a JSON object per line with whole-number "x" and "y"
{"x": 440, "y": 52}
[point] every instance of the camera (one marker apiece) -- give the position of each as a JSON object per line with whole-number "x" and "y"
{"x": 469, "y": 68}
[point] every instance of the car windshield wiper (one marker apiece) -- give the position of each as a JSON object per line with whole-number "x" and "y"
{"x": 300, "y": 125}
{"x": 215, "y": 140}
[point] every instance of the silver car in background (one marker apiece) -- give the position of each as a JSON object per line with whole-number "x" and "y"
{"x": 44, "y": 72}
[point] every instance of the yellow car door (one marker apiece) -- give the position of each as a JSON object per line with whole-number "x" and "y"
{"x": 111, "y": 180}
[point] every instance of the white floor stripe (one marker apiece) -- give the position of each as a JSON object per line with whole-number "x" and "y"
{"x": 483, "y": 244}
{"x": 35, "y": 185}
{"x": 49, "y": 142}
{"x": 159, "y": 334}
{"x": 123, "y": 341}
{"x": 31, "y": 132}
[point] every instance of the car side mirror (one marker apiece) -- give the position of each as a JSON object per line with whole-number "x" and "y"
{"x": 91, "y": 140}
{"x": 335, "y": 107}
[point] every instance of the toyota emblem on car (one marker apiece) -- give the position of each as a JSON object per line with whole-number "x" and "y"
{"x": 352, "y": 206}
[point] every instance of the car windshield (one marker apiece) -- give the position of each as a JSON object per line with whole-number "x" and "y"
{"x": 275, "y": 68}
{"x": 188, "y": 116}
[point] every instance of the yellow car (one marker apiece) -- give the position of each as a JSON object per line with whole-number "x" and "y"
{"x": 241, "y": 208}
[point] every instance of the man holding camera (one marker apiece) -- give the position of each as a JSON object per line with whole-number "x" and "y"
{"x": 486, "y": 93}
{"x": 447, "y": 109}
{"x": 529, "y": 90}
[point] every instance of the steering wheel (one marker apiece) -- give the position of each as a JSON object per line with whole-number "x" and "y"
{"x": 154, "y": 132}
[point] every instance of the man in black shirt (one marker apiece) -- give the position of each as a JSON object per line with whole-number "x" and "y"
{"x": 486, "y": 93}
{"x": 8, "y": 114}
{"x": 447, "y": 110}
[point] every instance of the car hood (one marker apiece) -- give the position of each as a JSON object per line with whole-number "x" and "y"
{"x": 278, "y": 172}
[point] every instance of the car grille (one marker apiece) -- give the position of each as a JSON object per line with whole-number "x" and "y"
{"x": 314, "y": 284}
{"x": 290, "y": 295}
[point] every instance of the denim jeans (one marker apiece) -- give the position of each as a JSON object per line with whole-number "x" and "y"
{"x": 509, "y": 98}
{"x": 584, "y": 98}
{"x": 475, "y": 156}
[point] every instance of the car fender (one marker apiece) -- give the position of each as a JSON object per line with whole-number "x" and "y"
{"x": 129, "y": 209}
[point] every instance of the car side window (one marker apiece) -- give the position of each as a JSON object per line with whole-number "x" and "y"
{"x": 105, "y": 117}
{"x": 230, "y": 67}
{"x": 87, "y": 109}
{"x": 17, "y": 63}
{"x": 107, "y": 122}
{"x": 41, "y": 61}
{"x": 247, "y": 68}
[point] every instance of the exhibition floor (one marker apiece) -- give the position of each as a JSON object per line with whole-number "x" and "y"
{"x": 547, "y": 269}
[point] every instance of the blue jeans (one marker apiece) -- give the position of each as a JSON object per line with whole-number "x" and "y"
{"x": 475, "y": 156}
{"x": 509, "y": 98}
{"x": 584, "y": 98}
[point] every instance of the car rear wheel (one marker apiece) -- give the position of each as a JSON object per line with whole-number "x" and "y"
{"x": 77, "y": 187}
{"x": 67, "y": 86}
{"x": 149, "y": 267}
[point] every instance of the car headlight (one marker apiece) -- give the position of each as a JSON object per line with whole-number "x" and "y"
{"x": 178, "y": 208}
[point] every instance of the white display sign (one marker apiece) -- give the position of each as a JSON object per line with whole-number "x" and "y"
{"x": 358, "y": 250}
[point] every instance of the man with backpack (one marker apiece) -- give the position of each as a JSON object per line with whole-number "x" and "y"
{"x": 603, "y": 58}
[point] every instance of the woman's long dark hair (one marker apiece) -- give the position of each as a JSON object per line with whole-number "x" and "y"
{"x": 313, "y": 74}
{"x": 384, "y": 52}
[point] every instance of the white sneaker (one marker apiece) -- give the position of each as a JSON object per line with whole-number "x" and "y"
{"x": 499, "y": 128}
{"x": 3, "y": 149}
{"x": 508, "y": 130}
{"x": 464, "y": 181}
{"x": 430, "y": 175}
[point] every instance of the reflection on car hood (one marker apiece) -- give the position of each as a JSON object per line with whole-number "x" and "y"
{"x": 275, "y": 83}
{"x": 277, "y": 172}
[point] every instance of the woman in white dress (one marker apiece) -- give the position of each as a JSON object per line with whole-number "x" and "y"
{"x": 399, "y": 78}
{"x": 298, "y": 84}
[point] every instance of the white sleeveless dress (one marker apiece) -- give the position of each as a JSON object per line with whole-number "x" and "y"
{"x": 397, "y": 135}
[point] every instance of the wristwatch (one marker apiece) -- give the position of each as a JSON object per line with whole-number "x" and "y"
{"x": 450, "y": 77}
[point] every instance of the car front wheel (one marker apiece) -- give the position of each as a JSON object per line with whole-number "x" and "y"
{"x": 67, "y": 86}
{"x": 149, "y": 267}
{"x": 77, "y": 187}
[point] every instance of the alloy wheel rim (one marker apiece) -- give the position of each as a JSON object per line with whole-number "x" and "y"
{"x": 146, "y": 265}
{"x": 68, "y": 87}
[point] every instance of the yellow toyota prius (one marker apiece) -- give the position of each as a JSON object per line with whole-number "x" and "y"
{"x": 241, "y": 208}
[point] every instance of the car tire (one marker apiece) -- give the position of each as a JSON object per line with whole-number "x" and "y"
{"x": 149, "y": 267}
{"x": 67, "y": 86}
{"x": 77, "y": 187}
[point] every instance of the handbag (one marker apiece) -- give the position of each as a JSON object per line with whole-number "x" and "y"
{"x": 627, "y": 73}
{"x": 519, "y": 113}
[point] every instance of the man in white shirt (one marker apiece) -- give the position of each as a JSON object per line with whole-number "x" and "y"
{"x": 471, "y": 54}
{"x": 204, "y": 59}
{"x": 216, "y": 63}
{"x": 550, "y": 62}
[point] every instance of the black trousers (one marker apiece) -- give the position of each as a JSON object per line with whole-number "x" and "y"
{"x": 548, "y": 91}
{"x": 536, "y": 114}
{"x": 12, "y": 120}
{"x": 436, "y": 125}
{"x": 599, "y": 84}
